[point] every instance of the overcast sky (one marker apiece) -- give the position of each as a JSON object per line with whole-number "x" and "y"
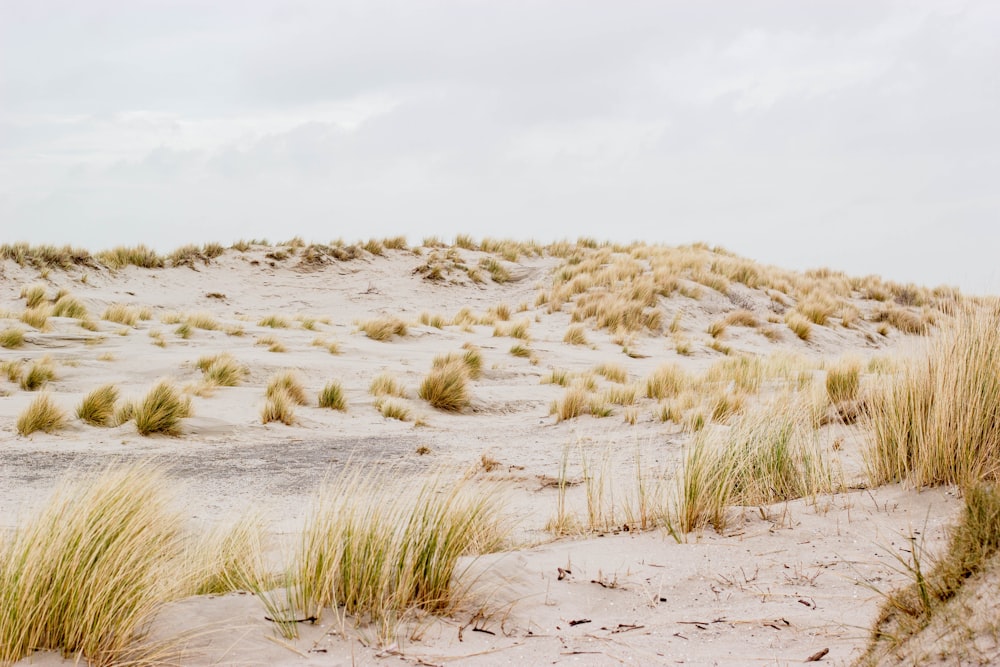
{"x": 859, "y": 135}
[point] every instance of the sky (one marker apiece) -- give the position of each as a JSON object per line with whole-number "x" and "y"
{"x": 859, "y": 135}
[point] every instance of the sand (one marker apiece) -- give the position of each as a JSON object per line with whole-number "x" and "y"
{"x": 781, "y": 584}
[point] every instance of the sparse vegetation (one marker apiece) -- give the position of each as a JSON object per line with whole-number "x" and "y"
{"x": 274, "y": 321}
{"x": 222, "y": 370}
{"x": 279, "y": 406}
{"x": 332, "y": 396}
{"x": 40, "y": 372}
{"x": 391, "y": 409}
{"x": 446, "y": 387}
{"x": 385, "y": 384}
{"x": 121, "y": 314}
{"x": 11, "y": 338}
{"x": 161, "y": 410}
{"x": 575, "y": 335}
{"x": 383, "y": 328}
{"x": 287, "y": 382}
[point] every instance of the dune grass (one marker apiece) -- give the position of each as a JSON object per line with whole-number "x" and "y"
{"x": 385, "y": 384}
{"x": 37, "y": 317}
{"x": 575, "y": 335}
{"x": 161, "y": 410}
{"x": 446, "y": 387}
{"x": 383, "y": 328}
{"x": 42, "y": 414}
{"x": 799, "y": 324}
{"x": 666, "y": 381}
{"x": 613, "y": 372}
{"x": 11, "y": 338}
{"x": 34, "y": 294}
{"x": 379, "y": 551}
{"x": 202, "y": 320}
{"x": 391, "y": 409}
{"x": 122, "y": 256}
{"x": 39, "y": 373}
{"x": 272, "y": 344}
{"x": 98, "y": 407}
{"x": 769, "y": 455}
{"x": 279, "y": 406}
{"x": 288, "y": 382}
{"x": 274, "y": 321}
{"x": 518, "y": 329}
{"x": 938, "y": 420}
{"x": 229, "y": 558}
{"x": 122, "y": 314}
{"x": 222, "y": 370}
{"x": 69, "y": 306}
{"x": 89, "y": 573}
{"x": 332, "y": 396}
{"x": 843, "y": 380}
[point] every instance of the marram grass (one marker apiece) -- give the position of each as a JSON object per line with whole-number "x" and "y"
{"x": 446, "y": 387}
{"x": 98, "y": 406}
{"x": 89, "y": 573}
{"x": 161, "y": 410}
{"x": 42, "y": 414}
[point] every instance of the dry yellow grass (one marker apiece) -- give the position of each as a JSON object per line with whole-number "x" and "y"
{"x": 42, "y": 414}
{"x": 383, "y": 328}
{"x": 98, "y": 406}
{"x": 446, "y": 387}
{"x": 161, "y": 410}
{"x": 122, "y": 314}
{"x": 279, "y": 406}
{"x": 288, "y": 382}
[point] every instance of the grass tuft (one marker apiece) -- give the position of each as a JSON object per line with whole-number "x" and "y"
{"x": 11, "y": 338}
{"x": 122, "y": 314}
{"x": 161, "y": 410}
{"x": 222, "y": 370}
{"x": 332, "y": 396}
{"x": 446, "y": 387}
{"x": 98, "y": 407}
{"x": 287, "y": 382}
{"x": 40, "y": 415}
{"x": 69, "y": 306}
{"x": 278, "y": 407}
{"x": 40, "y": 372}
{"x": 383, "y": 328}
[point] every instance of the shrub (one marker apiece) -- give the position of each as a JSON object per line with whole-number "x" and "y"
{"x": 332, "y": 396}
{"x": 287, "y": 382}
{"x": 161, "y": 410}
{"x": 40, "y": 415}
{"x": 89, "y": 573}
{"x": 98, "y": 406}
{"x": 446, "y": 387}
{"x": 383, "y": 328}
{"x": 11, "y": 338}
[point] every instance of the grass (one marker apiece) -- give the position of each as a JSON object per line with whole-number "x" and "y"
{"x": 446, "y": 387}
{"x": 768, "y": 456}
{"x": 275, "y": 322}
{"x": 122, "y": 256}
{"x": 518, "y": 329}
{"x": 98, "y": 407}
{"x": 272, "y": 343}
{"x": 391, "y": 409}
{"x": 121, "y": 314}
{"x": 385, "y": 384}
{"x": 843, "y": 380}
{"x": 37, "y": 317}
{"x": 519, "y": 350}
{"x": 88, "y": 574}
{"x": 799, "y": 324}
{"x": 383, "y": 328}
{"x": 288, "y": 383}
{"x": 938, "y": 420}
{"x": 279, "y": 406}
{"x": 575, "y": 335}
{"x": 33, "y": 295}
{"x": 497, "y": 271}
{"x": 202, "y": 321}
{"x": 222, "y": 370}
{"x": 11, "y": 338}
{"x": 666, "y": 381}
{"x": 575, "y": 402}
{"x": 40, "y": 372}
{"x": 227, "y": 559}
{"x": 379, "y": 551}
{"x": 69, "y": 306}
{"x": 332, "y": 396}
{"x": 161, "y": 410}
{"x": 42, "y": 414}
{"x": 974, "y": 542}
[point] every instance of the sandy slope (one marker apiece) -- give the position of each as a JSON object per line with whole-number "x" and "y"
{"x": 780, "y": 585}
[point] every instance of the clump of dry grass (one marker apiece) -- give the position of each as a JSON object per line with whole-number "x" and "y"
{"x": 11, "y": 338}
{"x": 575, "y": 335}
{"x": 613, "y": 372}
{"x": 666, "y": 381}
{"x": 391, "y": 409}
{"x": 472, "y": 359}
{"x": 938, "y": 420}
{"x": 383, "y": 328}
{"x": 161, "y": 410}
{"x": 843, "y": 380}
{"x": 379, "y": 550}
{"x": 522, "y": 351}
{"x": 575, "y": 402}
{"x": 69, "y": 306}
{"x": 800, "y": 325}
{"x": 222, "y": 370}
{"x": 518, "y": 329}
{"x": 768, "y": 456}
{"x": 89, "y": 573}
{"x": 121, "y": 314}
{"x": 37, "y": 317}
{"x": 332, "y": 396}
{"x": 42, "y": 414}
{"x": 122, "y": 256}
{"x": 227, "y": 559}
{"x": 33, "y": 295}
{"x": 274, "y": 321}
{"x": 287, "y": 382}
{"x": 903, "y": 319}
{"x": 272, "y": 343}
{"x": 98, "y": 407}
{"x": 446, "y": 387}
{"x": 279, "y": 406}
{"x": 385, "y": 384}
{"x": 40, "y": 372}
{"x": 13, "y": 369}
{"x": 202, "y": 321}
